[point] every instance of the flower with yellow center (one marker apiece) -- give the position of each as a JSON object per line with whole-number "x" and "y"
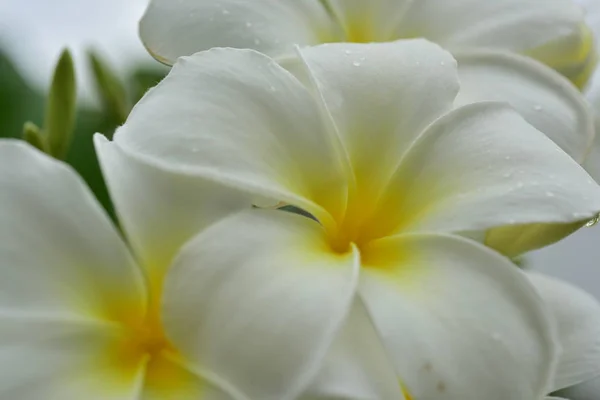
{"x": 394, "y": 174}
{"x": 501, "y": 47}
{"x": 80, "y": 318}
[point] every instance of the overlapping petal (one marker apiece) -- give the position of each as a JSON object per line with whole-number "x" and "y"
{"x": 453, "y": 315}
{"x": 551, "y": 27}
{"x": 357, "y": 365}
{"x": 381, "y": 97}
{"x": 237, "y": 117}
{"x": 51, "y": 261}
{"x": 58, "y": 282}
{"x": 544, "y": 98}
{"x": 577, "y": 315}
{"x": 482, "y": 166}
{"x": 261, "y": 285}
{"x": 369, "y": 21}
{"x": 170, "y": 30}
{"x": 160, "y": 210}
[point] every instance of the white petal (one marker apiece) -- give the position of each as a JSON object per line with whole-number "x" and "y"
{"x": 54, "y": 358}
{"x": 62, "y": 262}
{"x": 577, "y": 316}
{"x": 515, "y": 25}
{"x": 379, "y": 110}
{"x": 357, "y": 365}
{"x": 59, "y": 252}
{"x": 173, "y": 29}
{"x": 257, "y": 300}
{"x": 236, "y": 117}
{"x": 159, "y": 210}
{"x": 483, "y": 166}
{"x": 543, "y": 97}
{"x": 584, "y": 391}
{"x": 459, "y": 321}
{"x": 369, "y": 21}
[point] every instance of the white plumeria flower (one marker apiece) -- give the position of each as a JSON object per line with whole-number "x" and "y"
{"x": 81, "y": 319}
{"x": 491, "y": 40}
{"x": 391, "y": 170}
{"x": 552, "y": 31}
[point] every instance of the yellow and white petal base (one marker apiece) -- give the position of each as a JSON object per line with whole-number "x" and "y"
{"x": 159, "y": 210}
{"x": 458, "y": 320}
{"x": 261, "y": 285}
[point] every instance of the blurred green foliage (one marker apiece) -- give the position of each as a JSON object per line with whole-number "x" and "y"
{"x": 20, "y": 102}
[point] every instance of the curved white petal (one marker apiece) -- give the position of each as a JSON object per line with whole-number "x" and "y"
{"x": 49, "y": 357}
{"x": 257, "y": 300}
{"x": 483, "y": 166}
{"x": 62, "y": 263}
{"x": 357, "y": 365}
{"x": 160, "y": 210}
{"x": 236, "y": 117}
{"x": 584, "y": 391}
{"x": 173, "y": 29}
{"x": 577, "y": 315}
{"x": 551, "y": 26}
{"x": 459, "y": 321}
{"x": 58, "y": 250}
{"x": 369, "y": 21}
{"x": 543, "y": 97}
{"x": 381, "y": 96}
{"x": 592, "y": 161}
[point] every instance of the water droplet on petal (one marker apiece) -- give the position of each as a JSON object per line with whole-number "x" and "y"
{"x": 347, "y": 52}
{"x": 537, "y": 107}
{"x": 356, "y": 63}
{"x": 593, "y": 221}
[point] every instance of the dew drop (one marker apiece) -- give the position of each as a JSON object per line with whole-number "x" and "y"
{"x": 248, "y": 24}
{"x": 347, "y": 52}
{"x": 442, "y": 63}
{"x": 520, "y": 184}
{"x": 537, "y": 107}
{"x": 356, "y": 63}
{"x": 593, "y": 221}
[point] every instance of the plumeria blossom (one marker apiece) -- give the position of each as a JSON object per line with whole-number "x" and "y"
{"x": 391, "y": 171}
{"x": 552, "y": 31}
{"x": 506, "y": 50}
{"x": 81, "y": 318}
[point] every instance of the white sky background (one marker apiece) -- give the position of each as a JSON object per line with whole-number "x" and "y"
{"x": 35, "y": 31}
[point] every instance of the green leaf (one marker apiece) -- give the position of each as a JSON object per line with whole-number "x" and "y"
{"x": 61, "y": 107}
{"x": 112, "y": 90}
{"x": 34, "y": 136}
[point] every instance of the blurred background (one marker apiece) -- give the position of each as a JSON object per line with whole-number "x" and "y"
{"x": 102, "y": 36}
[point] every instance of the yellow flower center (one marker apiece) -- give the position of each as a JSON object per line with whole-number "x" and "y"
{"x": 143, "y": 353}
